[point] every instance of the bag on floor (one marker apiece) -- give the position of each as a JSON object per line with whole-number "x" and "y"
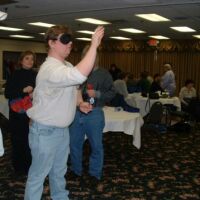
{"x": 181, "y": 127}
{"x": 152, "y": 121}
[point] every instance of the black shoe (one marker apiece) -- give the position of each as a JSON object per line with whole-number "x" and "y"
{"x": 73, "y": 176}
{"x": 93, "y": 181}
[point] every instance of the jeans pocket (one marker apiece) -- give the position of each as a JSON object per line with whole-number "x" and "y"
{"x": 45, "y": 131}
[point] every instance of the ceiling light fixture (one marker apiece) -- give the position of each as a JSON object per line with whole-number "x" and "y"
{"x": 5, "y": 28}
{"x": 183, "y": 29}
{"x": 153, "y": 17}
{"x": 84, "y": 39}
{"x": 196, "y": 36}
{"x": 21, "y": 36}
{"x": 93, "y": 21}
{"x": 159, "y": 37}
{"x": 85, "y": 31}
{"x": 41, "y": 24}
{"x": 131, "y": 30}
{"x": 120, "y": 38}
{"x": 3, "y": 15}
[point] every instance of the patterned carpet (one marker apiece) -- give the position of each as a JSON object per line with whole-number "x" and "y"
{"x": 167, "y": 167}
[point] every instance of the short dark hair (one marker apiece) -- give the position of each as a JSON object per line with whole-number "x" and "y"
{"x": 122, "y": 75}
{"x": 156, "y": 75}
{"x": 144, "y": 74}
{"x": 189, "y": 81}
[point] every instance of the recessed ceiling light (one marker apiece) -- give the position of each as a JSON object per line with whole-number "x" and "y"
{"x": 85, "y": 31}
{"x": 5, "y": 28}
{"x": 153, "y": 17}
{"x": 159, "y": 37}
{"x": 3, "y": 15}
{"x": 21, "y": 36}
{"x": 85, "y": 39}
{"x": 41, "y": 24}
{"x": 132, "y": 30}
{"x": 93, "y": 21}
{"x": 42, "y": 33}
{"x": 120, "y": 38}
{"x": 196, "y": 36}
{"x": 182, "y": 29}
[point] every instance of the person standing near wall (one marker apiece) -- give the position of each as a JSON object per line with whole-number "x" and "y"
{"x": 168, "y": 82}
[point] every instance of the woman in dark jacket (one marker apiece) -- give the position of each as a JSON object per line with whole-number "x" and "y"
{"x": 18, "y": 91}
{"x": 155, "y": 86}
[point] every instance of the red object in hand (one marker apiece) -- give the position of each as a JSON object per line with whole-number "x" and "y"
{"x": 21, "y": 105}
{"x": 90, "y": 86}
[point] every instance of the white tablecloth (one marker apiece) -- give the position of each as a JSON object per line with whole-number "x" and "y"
{"x": 116, "y": 121}
{"x": 141, "y": 103}
{"x": 120, "y": 121}
{"x": 4, "y": 109}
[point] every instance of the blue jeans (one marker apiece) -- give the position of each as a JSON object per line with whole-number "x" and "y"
{"x": 92, "y": 125}
{"x": 49, "y": 148}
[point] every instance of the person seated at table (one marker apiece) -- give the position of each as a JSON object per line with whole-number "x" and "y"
{"x": 123, "y": 98}
{"x": 144, "y": 82}
{"x": 114, "y": 71}
{"x": 187, "y": 93}
{"x": 155, "y": 86}
{"x": 132, "y": 84}
{"x": 120, "y": 84}
{"x": 168, "y": 82}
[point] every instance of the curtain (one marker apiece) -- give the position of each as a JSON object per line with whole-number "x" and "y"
{"x": 137, "y": 56}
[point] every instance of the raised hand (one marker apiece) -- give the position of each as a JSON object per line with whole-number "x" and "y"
{"x": 97, "y": 36}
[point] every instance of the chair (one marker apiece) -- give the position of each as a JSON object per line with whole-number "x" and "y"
{"x": 171, "y": 111}
{"x": 184, "y": 124}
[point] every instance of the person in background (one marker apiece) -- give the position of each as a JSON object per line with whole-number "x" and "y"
{"x": 54, "y": 103}
{"x": 19, "y": 87}
{"x": 155, "y": 86}
{"x": 128, "y": 102}
{"x": 121, "y": 84}
{"x": 168, "y": 80}
{"x": 98, "y": 90}
{"x": 144, "y": 84}
{"x": 131, "y": 84}
{"x": 187, "y": 93}
{"x": 149, "y": 77}
{"x": 114, "y": 71}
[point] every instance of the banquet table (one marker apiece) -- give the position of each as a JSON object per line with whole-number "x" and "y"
{"x": 115, "y": 121}
{"x": 126, "y": 122}
{"x": 141, "y": 103}
{"x": 4, "y": 109}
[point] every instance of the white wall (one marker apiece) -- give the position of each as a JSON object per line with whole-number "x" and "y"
{"x": 18, "y": 46}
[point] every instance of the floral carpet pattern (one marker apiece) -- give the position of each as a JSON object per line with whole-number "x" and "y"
{"x": 167, "y": 167}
